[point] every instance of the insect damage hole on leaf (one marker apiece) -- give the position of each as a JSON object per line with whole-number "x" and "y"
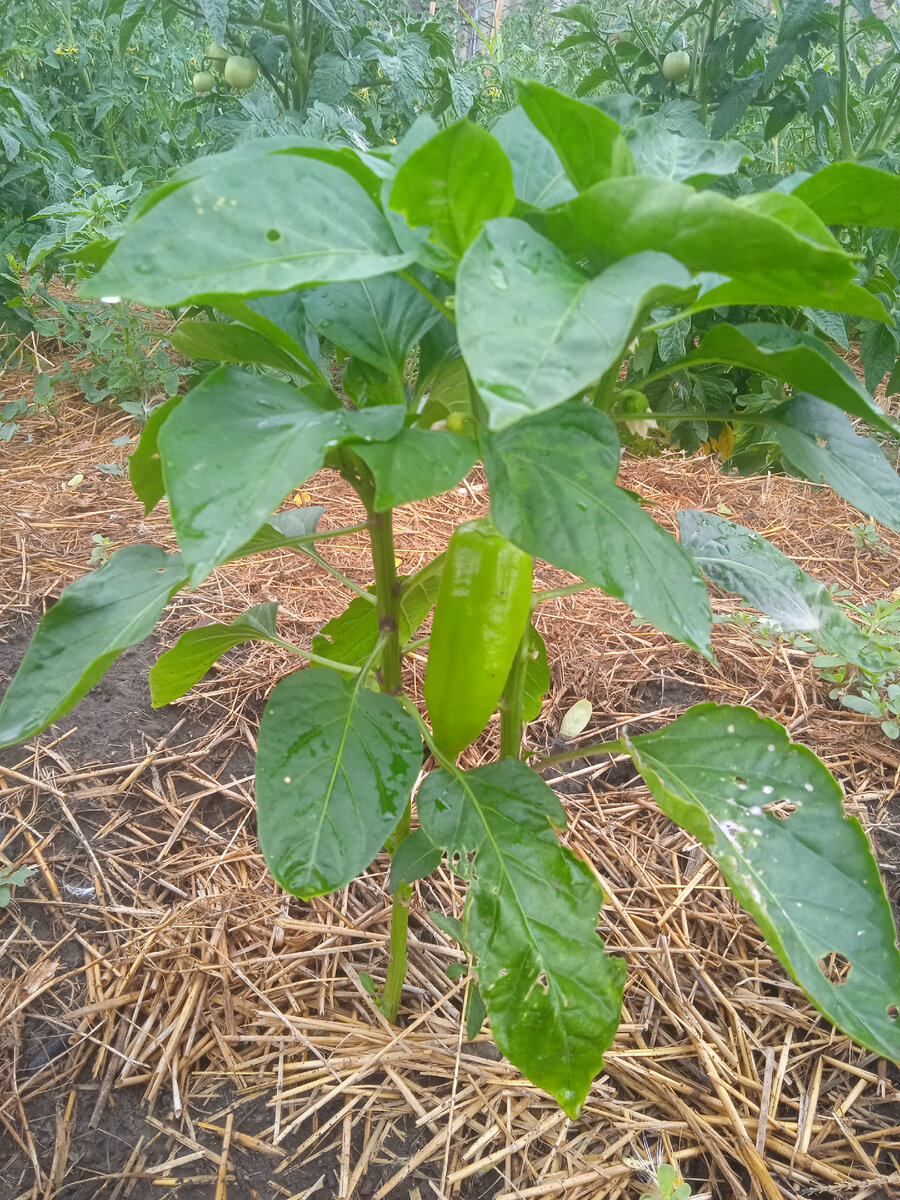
{"x": 836, "y": 968}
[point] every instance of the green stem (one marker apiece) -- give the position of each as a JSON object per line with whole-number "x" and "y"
{"x": 428, "y": 294}
{"x": 880, "y": 133}
{"x": 579, "y": 752}
{"x": 387, "y": 606}
{"x": 844, "y": 86}
{"x": 396, "y": 972}
{"x": 317, "y": 658}
{"x": 338, "y": 575}
{"x": 551, "y": 593}
{"x": 603, "y": 392}
{"x": 702, "y": 78}
{"x": 512, "y": 702}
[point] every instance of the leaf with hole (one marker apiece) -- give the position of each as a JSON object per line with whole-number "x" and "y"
{"x": 771, "y": 815}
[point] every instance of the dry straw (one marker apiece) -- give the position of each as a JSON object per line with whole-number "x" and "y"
{"x": 172, "y": 1025}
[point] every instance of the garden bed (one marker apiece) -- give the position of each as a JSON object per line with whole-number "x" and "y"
{"x": 173, "y": 1025}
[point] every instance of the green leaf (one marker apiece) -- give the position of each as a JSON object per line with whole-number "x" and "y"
{"x": 414, "y": 858}
{"x": 416, "y": 464}
{"x": 288, "y": 221}
{"x": 236, "y": 446}
{"x": 534, "y": 330}
{"x": 660, "y": 152}
{"x": 552, "y": 993}
{"x": 878, "y": 351}
{"x": 215, "y": 13}
{"x": 144, "y": 465}
{"x": 845, "y": 193}
{"x": 476, "y": 1011}
{"x": 334, "y": 771}
{"x": 589, "y": 144}
{"x": 228, "y": 342}
{"x": 793, "y": 357}
{"x": 11, "y": 877}
{"x": 455, "y": 182}
{"x": 78, "y": 640}
{"x": 377, "y": 320}
{"x": 537, "y": 676}
{"x": 821, "y": 442}
{"x": 416, "y": 241}
{"x": 289, "y": 529}
{"x": 538, "y": 174}
{"x": 176, "y": 671}
{"x": 553, "y": 492}
{"x": 280, "y": 320}
{"x": 771, "y": 815}
{"x": 738, "y": 560}
{"x": 705, "y": 231}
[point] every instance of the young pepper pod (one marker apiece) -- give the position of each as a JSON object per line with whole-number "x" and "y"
{"x": 482, "y": 610}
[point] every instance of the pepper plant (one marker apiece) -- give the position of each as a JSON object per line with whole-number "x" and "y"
{"x": 483, "y": 291}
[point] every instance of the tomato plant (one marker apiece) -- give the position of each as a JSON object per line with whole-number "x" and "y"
{"x": 516, "y": 270}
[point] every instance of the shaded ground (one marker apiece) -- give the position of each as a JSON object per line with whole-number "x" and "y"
{"x": 155, "y": 980}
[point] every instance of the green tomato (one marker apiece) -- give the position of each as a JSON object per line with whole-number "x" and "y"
{"x": 241, "y": 72}
{"x": 218, "y": 56}
{"x": 203, "y": 81}
{"x": 676, "y": 66}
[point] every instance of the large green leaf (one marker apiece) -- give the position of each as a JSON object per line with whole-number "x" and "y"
{"x": 553, "y": 492}
{"x": 799, "y": 359}
{"x": 738, "y": 560}
{"x": 822, "y": 443}
{"x": 845, "y": 193}
{"x": 660, "y": 152}
{"x": 553, "y": 994}
{"x": 288, "y": 221}
{"x": 416, "y": 464}
{"x": 455, "y": 182}
{"x": 589, "y": 144}
{"x": 766, "y": 260}
{"x": 176, "y": 671}
{"x": 534, "y": 330}
{"x": 378, "y": 320}
{"x": 78, "y": 640}
{"x": 228, "y": 342}
{"x": 771, "y": 815}
{"x": 538, "y": 175}
{"x": 236, "y": 446}
{"x": 416, "y": 241}
{"x": 334, "y": 771}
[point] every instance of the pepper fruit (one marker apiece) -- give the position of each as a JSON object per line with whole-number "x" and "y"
{"x": 482, "y": 610}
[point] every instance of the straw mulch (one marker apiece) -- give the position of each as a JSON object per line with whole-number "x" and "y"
{"x": 172, "y": 1025}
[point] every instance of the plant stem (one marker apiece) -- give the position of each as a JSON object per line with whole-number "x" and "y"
{"x": 428, "y": 294}
{"x": 569, "y": 590}
{"x": 579, "y": 752}
{"x": 387, "y": 606}
{"x": 512, "y": 702}
{"x": 844, "y": 86}
{"x": 354, "y": 587}
{"x": 396, "y": 972}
